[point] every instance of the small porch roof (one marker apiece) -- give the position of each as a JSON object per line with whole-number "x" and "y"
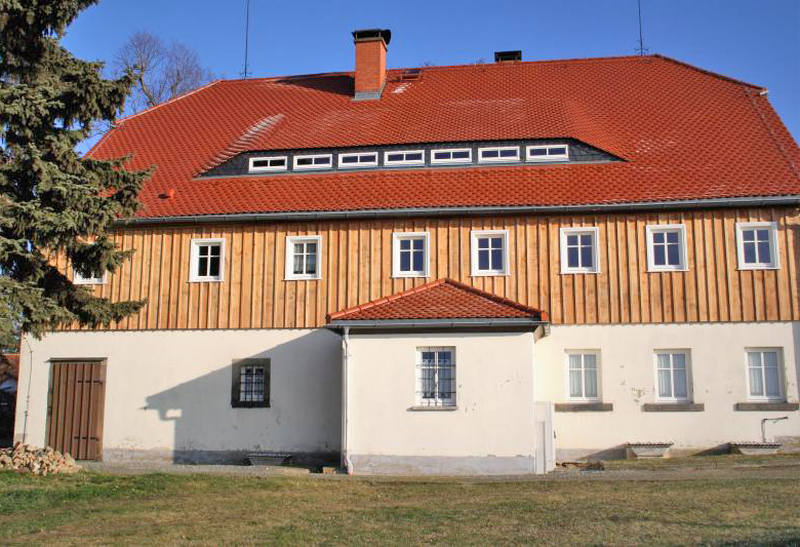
{"x": 443, "y": 303}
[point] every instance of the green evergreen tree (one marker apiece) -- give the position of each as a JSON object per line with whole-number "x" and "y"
{"x": 52, "y": 200}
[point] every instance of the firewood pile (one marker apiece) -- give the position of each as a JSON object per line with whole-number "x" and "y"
{"x": 39, "y": 461}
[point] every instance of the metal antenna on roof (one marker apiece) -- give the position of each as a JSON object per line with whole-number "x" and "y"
{"x": 246, "y": 73}
{"x": 641, "y": 49}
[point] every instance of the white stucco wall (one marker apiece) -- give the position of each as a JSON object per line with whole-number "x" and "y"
{"x": 718, "y": 380}
{"x": 494, "y": 379}
{"x": 171, "y": 390}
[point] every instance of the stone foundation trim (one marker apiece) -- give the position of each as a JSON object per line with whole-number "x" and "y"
{"x": 213, "y": 457}
{"x": 758, "y": 407}
{"x": 584, "y": 407}
{"x": 379, "y": 464}
{"x": 673, "y": 407}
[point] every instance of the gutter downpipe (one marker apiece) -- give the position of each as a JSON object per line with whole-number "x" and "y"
{"x": 345, "y": 462}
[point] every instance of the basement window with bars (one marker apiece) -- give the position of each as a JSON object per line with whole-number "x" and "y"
{"x": 357, "y": 160}
{"x": 208, "y": 259}
{"x": 250, "y": 388}
{"x": 436, "y": 376}
{"x": 276, "y": 163}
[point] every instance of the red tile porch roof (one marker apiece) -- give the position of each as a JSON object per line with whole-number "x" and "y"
{"x": 440, "y": 299}
{"x": 683, "y": 133}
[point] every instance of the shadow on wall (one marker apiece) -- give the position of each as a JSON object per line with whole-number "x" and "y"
{"x": 304, "y": 417}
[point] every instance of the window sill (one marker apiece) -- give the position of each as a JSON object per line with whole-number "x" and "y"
{"x": 766, "y": 406}
{"x": 205, "y": 280}
{"x": 433, "y": 408}
{"x": 673, "y": 407}
{"x": 752, "y": 268}
{"x": 237, "y": 404}
{"x": 580, "y": 272}
{"x": 489, "y": 274}
{"x": 584, "y": 407}
{"x": 302, "y": 279}
{"x": 667, "y": 270}
{"x": 410, "y": 276}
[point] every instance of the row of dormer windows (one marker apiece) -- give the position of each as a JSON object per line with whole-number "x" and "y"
{"x": 410, "y": 158}
{"x": 757, "y": 248}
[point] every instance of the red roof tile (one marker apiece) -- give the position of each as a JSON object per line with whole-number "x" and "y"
{"x": 684, "y": 133}
{"x": 440, "y": 299}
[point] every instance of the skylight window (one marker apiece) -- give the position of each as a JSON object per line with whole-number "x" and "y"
{"x": 316, "y": 161}
{"x": 358, "y": 159}
{"x": 498, "y": 154}
{"x": 455, "y": 155}
{"x": 559, "y": 152}
{"x": 404, "y": 157}
{"x": 275, "y": 163}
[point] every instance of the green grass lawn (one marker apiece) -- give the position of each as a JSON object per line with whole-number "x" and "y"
{"x": 211, "y": 509}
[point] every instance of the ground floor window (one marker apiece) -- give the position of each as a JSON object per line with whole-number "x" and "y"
{"x": 250, "y": 383}
{"x": 436, "y": 376}
{"x": 582, "y": 371}
{"x": 764, "y": 375}
{"x": 672, "y": 375}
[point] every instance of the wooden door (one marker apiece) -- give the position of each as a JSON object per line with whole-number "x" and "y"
{"x": 75, "y": 415}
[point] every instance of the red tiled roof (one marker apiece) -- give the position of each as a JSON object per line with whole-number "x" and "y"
{"x": 684, "y": 133}
{"x": 440, "y": 299}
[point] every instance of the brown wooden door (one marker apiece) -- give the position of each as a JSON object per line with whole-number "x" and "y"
{"x": 75, "y": 416}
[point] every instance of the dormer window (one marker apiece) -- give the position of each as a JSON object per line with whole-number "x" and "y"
{"x": 358, "y": 159}
{"x": 455, "y": 155}
{"x": 404, "y": 157}
{"x": 274, "y": 163}
{"x": 316, "y": 161}
{"x": 498, "y": 154}
{"x": 559, "y": 152}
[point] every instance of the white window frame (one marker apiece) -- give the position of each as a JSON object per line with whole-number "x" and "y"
{"x": 312, "y": 157}
{"x": 397, "y": 237}
{"x": 194, "y": 277}
{"x": 435, "y": 161}
{"x": 481, "y": 159}
{"x": 781, "y": 397}
{"x": 78, "y": 279}
{"x": 653, "y": 229}
{"x": 387, "y": 162}
{"x": 436, "y": 401}
{"x": 773, "y": 245}
{"x": 477, "y": 234}
{"x": 582, "y": 352}
{"x": 687, "y": 358}
{"x": 359, "y": 165}
{"x": 548, "y": 157}
{"x": 251, "y": 169}
{"x": 289, "y": 270}
{"x": 580, "y": 230}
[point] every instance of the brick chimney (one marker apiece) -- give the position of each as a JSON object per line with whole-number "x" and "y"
{"x": 370, "y": 62}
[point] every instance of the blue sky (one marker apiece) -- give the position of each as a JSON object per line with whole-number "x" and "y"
{"x": 756, "y": 41}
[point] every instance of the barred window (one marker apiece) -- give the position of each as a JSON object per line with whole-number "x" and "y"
{"x": 436, "y": 376}
{"x": 250, "y": 383}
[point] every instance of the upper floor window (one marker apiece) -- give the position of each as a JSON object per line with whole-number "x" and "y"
{"x": 302, "y": 257}
{"x": 404, "y": 157}
{"x": 358, "y": 159}
{"x": 498, "y": 154}
{"x": 489, "y": 252}
{"x": 579, "y": 250}
{"x": 436, "y": 376}
{"x": 208, "y": 258}
{"x": 549, "y": 152}
{"x": 666, "y": 247}
{"x": 455, "y": 155}
{"x": 764, "y": 374}
{"x": 275, "y": 163}
{"x": 97, "y": 279}
{"x": 672, "y": 375}
{"x": 583, "y": 375}
{"x": 313, "y": 161}
{"x": 410, "y": 254}
{"x": 757, "y": 245}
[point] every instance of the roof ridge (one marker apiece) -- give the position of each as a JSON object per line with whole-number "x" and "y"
{"x": 169, "y": 101}
{"x": 708, "y": 72}
{"x": 433, "y": 284}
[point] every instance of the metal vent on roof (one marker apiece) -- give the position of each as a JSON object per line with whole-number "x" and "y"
{"x": 506, "y": 56}
{"x": 411, "y": 74}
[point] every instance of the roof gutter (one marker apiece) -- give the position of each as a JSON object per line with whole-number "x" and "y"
{"x": 395, "y": 324}
{"x": 471, "y": 211}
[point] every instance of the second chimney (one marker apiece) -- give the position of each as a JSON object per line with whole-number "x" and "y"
{"x": 370, "y": 62}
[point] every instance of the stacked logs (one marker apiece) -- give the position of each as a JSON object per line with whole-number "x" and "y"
{"x": 39, "y": 461}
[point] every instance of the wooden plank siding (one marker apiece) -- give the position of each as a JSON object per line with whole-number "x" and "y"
{"x": 356, "y": 267}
